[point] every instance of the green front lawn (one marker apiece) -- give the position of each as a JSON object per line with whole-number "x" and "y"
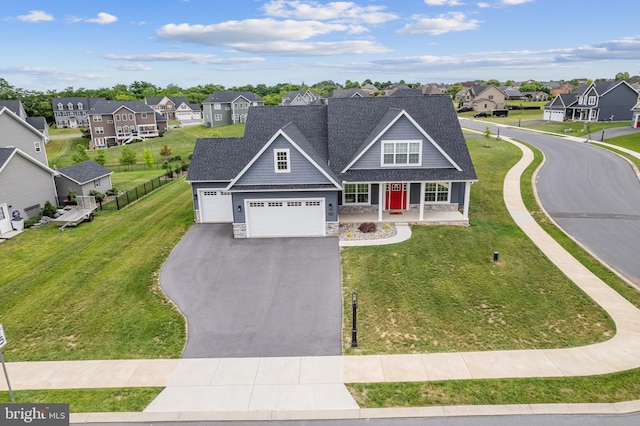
{"x": 92, "y": 292}
{"x": 441, "y": 292}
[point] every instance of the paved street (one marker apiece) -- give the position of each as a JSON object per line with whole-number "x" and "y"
{"x": 593, "y": 194}
{"x": 256, "y": 297}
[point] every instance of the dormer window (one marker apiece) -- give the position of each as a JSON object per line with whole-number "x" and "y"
{"x": 401, "y": 153}
{"x": 60, "y": 107}
{"x": 70, "y": 106}
{"x": 281, "y": 161}
{"x": 80, "y": 105}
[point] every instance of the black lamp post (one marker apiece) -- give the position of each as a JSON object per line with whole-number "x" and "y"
{"x": 354, "y": 328}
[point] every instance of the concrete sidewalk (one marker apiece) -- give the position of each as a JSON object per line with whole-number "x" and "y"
{"x": 312, "y": 387}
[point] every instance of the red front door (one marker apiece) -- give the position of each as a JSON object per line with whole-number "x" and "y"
{"x": 395, "y": 196}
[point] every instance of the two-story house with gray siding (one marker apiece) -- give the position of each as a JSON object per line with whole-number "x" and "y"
{"x": 72, "y": 112}
{"x": 26, "y": 181}
{"x": 175, "y": 108}
{"x": 114, "y": 123}
{"x": 299, "y": 169}
{"x": 225, "y": 107}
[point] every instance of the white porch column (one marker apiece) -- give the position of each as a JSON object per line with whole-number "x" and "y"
{"x": 421, "y": 216}
{"x": 380, "y": 200}
{"x": 467, "y": 195}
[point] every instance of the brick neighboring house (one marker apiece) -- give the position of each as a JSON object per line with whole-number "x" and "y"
{"x": 72, "y": 112}
{"x": 114, "y": 123}
{"x": 225, "y": 107}
{"x": 175, "y": 108}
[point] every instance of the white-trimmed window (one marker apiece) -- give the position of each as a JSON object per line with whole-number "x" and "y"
{"x": 117, "y": 117}
{"x": 436, "y": 192}
{"x": 401, "y": 153}
{"x": 109, "y": 121}
{"x": 217, "y": 106}
{"x": 70, "y": 106}
{"x": 356, "y": 193}
{"x": 130, "y": 117}
{"x": 592, "y": 100}
{"x": 80, "y": 105}
{"x": 217, "y": 117}
{"x": 99, "y": 130}
{"x": 97, "y": 118}
{"x": 143, "y": 115}
{"x": 96, "y": 183}
{"x": 281, "y": 161}
{"x": 37, "y": 146}
{"x": 60, "y": 106}
{"x": 99, "y": 142}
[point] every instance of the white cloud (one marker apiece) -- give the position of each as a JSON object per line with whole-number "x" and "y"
{"x": 36, "y": 16}
{"x": 270, "y": 36}
{"x": 441, "y": 24}
{"x": 337, "y": 11}
{"x": 103, "y": 18}
{"x": 442, "y": 2}
{"x": 196, "y": 58}
{"x": 131, "y": 67}
{"x": 515, "y": 2}
{"x": 483, "y": 5}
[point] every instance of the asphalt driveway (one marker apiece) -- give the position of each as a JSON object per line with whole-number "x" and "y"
{"x": 256, "y": 297}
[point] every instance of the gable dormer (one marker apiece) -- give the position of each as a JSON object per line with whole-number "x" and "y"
{"x": 399, "y": 142}
{"x": 80, "y": 105}
{"x": 60, "y": 106}
{"x": 286, "y": 159}
{"x": 70, "y": 106}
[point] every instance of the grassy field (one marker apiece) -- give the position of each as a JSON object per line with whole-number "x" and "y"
{"x": 91, "y": 292}
{"x": 441, "y": 292}
{"x": 181, "y": 141}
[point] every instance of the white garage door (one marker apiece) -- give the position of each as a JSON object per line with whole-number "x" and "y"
{"x": 551, "y": 115}
{"x": 285, "y": 218}
{"x": 215, "y": 206}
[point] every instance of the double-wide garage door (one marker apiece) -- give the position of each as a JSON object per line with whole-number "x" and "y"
{"x": 285, "y": 218}
{"x": 552, "y": 115}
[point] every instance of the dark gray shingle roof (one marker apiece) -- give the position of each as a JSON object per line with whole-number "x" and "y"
{"x": 336, "y": 133}
{"x": 227, "y": 96}
{"x": 84, "y": 172}
{"x": 109, "y": 107}
{"x": 5, "y": 153}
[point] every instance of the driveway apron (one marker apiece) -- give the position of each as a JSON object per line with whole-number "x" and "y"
{"x": 270, "y": 297}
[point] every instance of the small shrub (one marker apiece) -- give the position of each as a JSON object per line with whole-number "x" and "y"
{"x": 386, "y": 226}
{"x": 48, "y": 210}
{"x": 71, "y": 197}
{"x": 349, "y": 234}
{"x": 99, "y": 196}
{"x": 367, "y": 227}
{"x": 30, "y": 222}
{"x": 112, "y": 191}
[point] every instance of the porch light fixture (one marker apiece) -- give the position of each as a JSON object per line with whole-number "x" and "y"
{"x": 330, "y": 207}
{"x": 239, "y": 208}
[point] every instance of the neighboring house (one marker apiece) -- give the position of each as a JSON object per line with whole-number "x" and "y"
{"x": 511, "y": 93}
{"x": 114, "y": 123}
{"x": 369, "y": 88}
{"x": 355, "y": 92}
{"x": 175, "y": 108}
{"x": 598, "y": 101}
{"x": 39, "y": 123}
{"x": 535, "y": 96}
{"x": 83, "y": 178}
{"x": 17, "y": 131}
{"x": 301, "y": 97}
{"x": 433, "y": 89}
{"x": 26, "y": 181}
{"x": 483, "y": 98}
{"x": 25, "y": 186}
{"x": 298, "y": 168}
{"x": 563, "y": 89}
{"x": 224, "y": 108}
{"x": 72, "y": 112}
{"x": 635, "y": 121}
{"x": 556, "y": 109}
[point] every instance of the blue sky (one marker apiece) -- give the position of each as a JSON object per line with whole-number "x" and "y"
{"x": 91, "y": 44}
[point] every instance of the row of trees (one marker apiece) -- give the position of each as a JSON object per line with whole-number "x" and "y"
{"x": 37, "y": 103}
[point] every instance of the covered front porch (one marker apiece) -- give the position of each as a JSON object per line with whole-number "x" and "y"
{"x": 453, "y": 218}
